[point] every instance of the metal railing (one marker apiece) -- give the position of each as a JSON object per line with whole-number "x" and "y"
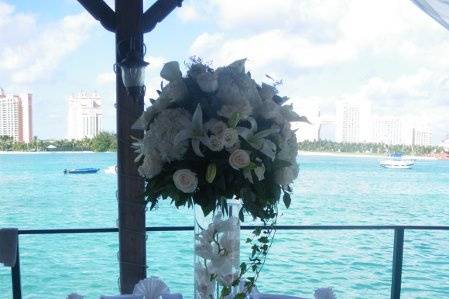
{"x": 398, "y": 247}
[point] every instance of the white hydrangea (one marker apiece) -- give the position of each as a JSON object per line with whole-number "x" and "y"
{"x": 288, "y": 147}
{"x": 151, "y": 166}
{"x": 230, "y": 137}
{"x": 286, "y": 175}
{"x": 216, "y": 127}
{"x": 235, "y": 86}
{"x": 162, "y": 132}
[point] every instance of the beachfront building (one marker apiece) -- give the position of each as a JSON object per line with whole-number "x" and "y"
{"x": 422, "y": 135}
{"x": 84, "y": 119}
{"x": 327, "y": 128}
{"x": 387, "y": 130}
{"x": 16, "y": 116}
{"x": 353, "y": 121}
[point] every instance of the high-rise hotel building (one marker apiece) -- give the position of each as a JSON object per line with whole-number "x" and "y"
{"x": 353, "y": 121}
{"x": 84, "y": 116}
{"x": 16, "y": 116}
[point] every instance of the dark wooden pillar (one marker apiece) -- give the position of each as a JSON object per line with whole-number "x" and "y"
{"x": 130, "y": 186}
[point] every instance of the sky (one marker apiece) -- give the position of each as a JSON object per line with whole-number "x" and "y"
{"x": 387, "y": 52}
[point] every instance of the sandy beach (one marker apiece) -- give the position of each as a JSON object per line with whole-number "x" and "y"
{"x": 356, "y": 155}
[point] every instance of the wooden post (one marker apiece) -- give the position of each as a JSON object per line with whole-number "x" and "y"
{"x": 131, "y": 211}
{"x": 129, "y": 21}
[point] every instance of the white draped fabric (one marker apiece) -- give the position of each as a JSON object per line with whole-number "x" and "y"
{"x": 437, "y": 9}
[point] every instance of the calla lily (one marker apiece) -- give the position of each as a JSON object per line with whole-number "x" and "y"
{"x": 288, "y": 114}
{"x": 258, "y": 140}
{"x": 238, "y": 66}
{"x": 195, "y": 132}
{"x": 171, "y": 72}
{"x": 267, "y": 92}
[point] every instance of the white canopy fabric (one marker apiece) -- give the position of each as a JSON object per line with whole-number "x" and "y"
{"x": 437, "y": 9}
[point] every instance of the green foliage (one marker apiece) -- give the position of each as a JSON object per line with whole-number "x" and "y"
{"x": 102, "y": 142}
{"x": 367, "y": 148}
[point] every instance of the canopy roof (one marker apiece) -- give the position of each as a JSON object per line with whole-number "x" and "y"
{"x": 437, "y": 9}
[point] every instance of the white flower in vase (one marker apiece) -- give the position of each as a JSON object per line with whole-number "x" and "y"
{"x": 230, "y": 224}
{"x": 204, "y": 249}
{"x": 239, "y": 159}
{"x": 185, "y": 180}
{"x": 204, "y": 286}
{"x": 230, "y": 242}
{"x": 228, "y": 278}
{"x": 206, "y": 235}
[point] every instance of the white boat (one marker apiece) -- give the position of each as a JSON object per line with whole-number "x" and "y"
{"x": 111, "y": 169}
{"x": 397, "y": 161}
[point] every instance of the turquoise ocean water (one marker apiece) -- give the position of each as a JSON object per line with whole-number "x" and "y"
{"x": 35, "y": 194}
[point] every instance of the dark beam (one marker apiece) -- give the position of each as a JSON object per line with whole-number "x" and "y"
{"x": 131, "y": 207}
{"x": 157, "y": 12}
{"x": 101, "y": 12}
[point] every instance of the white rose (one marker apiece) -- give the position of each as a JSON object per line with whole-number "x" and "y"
{"x": 185, "y": 180}
{"x": 208, "y": 82}
{"x": 239, "y": 159}
{"x": 215, "y": 143}
{"x": 230, "y": 137}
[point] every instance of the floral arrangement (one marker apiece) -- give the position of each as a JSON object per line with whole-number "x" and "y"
{"x": 217, "y": 134}
{"x": 214, "y": 135}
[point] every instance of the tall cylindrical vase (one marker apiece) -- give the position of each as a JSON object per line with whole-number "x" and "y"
{"x": 216, "y": 250}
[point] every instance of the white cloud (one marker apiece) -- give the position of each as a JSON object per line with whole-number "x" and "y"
{"x": 36, "y": 52}
{"x": 188, "y": 13}
{"x": 106, "y": 78}
{"x": 387, "y": 51}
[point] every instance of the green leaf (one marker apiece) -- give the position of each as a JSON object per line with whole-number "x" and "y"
{"x": 211, "y": 172}
{"x": 243, "y": 267}
{"x": 225, "y": 291}
{"x": 263, "y": 239}
{"x": 234, "y": 120}
{"x": 287, "y": 199}
{"x": 240, "y": 296}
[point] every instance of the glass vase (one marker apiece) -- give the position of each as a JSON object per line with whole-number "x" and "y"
{"x": 216, "y": 250}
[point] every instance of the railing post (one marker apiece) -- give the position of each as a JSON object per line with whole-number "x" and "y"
{"x": 398, "y": 250}
{"x": 15, "y": 277}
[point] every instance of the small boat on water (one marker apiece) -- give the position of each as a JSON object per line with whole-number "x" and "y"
{"x": 81, "y": 170}
{"x": 397, "y": 161}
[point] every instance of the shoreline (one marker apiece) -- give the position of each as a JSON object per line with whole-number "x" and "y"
{"x": 46, "y": 152}
{"x": 300, "y": 153}
{"x": 359, "y": 155}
